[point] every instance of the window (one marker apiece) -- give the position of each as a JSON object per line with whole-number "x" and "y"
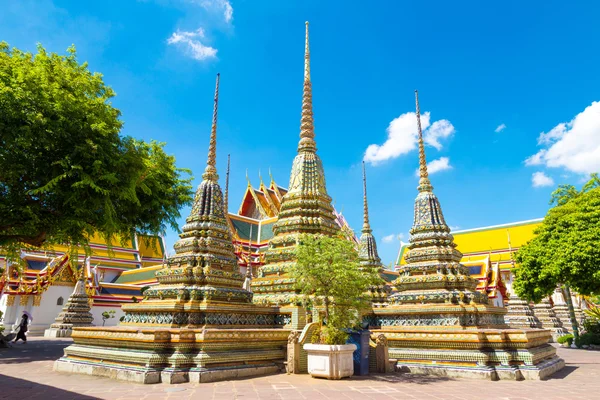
{"x": 59, "y": 301}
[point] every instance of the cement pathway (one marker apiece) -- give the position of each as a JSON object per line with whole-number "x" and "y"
{"x": 26, "y": 373}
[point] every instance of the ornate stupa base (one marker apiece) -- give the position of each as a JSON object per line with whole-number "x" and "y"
{"x": 153, "y": 355}
{"x": 520, "y": 315}
{"x": 544, "y": 313}
{"x": 464, "y": 340}
{"x": 76, "y": 313}
{"x": 163, "y": 341}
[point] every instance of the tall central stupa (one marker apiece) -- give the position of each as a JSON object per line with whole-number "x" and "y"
{"x": 306, "y": 208}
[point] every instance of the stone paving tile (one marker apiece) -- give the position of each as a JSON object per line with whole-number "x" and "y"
{"x": 26, "y": 373}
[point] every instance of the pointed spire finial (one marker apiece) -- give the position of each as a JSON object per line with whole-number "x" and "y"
{"x": 210, "y": 172}
{"x": 260, "y": 178}
{"x": 366, "y": 225}
{"x": 226, "y": 199}
{"x": 271, "y": 176}
{"x": 307, "y": 130}
{"x": 248, "y": 178}
{"x": 424, "y": 183}
{"x": 306, "y": 55}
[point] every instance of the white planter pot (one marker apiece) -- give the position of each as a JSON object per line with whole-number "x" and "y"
{"x": 330, "y": 361}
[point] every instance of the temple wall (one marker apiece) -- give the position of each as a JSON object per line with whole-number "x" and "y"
{"x": 43, "y": 315}
{"x": 97, "y": 313}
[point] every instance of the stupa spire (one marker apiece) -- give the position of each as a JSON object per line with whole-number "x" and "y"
{"x": 226, "y": 197}
{"x": 424, "y": 183}
{"x": 366, "y": 224}
{"x": 369, "y": 257}
{"x": 210, "y": 172}
{"x": 305, "y": 208}
{"x": 307, "y": 129}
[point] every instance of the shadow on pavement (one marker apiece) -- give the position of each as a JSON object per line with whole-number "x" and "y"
{"x": 563, "y": 373}
{"x": 22, "y": 389}
{"x": 405, "y": 378}
{"x": 33, "y": 350}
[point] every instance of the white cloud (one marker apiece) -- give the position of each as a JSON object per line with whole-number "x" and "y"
{"x": 573, "y": 145}
{"x": 438, "y": 165}
{"x": 402, "y": 137}
{"x": 191, "y": 44}
{"x": 536, "y": 159}
{"x": 454, "y": 227}
{"x": 500, "y": 128}
{"x": 223, "y": 6}
{"x": 539, "y": 179}
{"x": 391, "y": 238}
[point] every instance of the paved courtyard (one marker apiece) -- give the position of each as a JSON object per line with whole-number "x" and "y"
{"x": 26, "y": 373}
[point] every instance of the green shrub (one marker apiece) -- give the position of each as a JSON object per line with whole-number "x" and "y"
{"x": 566, "y": 338}
{"x": 588, "y": 338}
{"x": 1, "y": 326}
{"x": 592, "y": 325}
{"x": 328, "y": 270}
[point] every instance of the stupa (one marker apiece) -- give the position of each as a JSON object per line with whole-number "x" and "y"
{"x": 75, "y": 313}
{"x": 438, "y": 323}
{"x": 519, "y": 314}
{"x": 367, "y": 251}
{"x": 561, "y": 309}
{"x": 198, "y": 324}
{"x": 305, "y": 209}
{"x": 545, "y": 315}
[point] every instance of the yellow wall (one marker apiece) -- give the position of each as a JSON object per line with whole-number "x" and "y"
{"x": 476, "y": 244}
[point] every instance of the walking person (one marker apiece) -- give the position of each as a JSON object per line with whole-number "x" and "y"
{"x": 22, "y": 329}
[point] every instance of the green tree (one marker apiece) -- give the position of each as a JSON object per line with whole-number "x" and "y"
{"x": 565, "y": 249}
{"x": 65, "y": 170}
{"x": 328, "y": 270}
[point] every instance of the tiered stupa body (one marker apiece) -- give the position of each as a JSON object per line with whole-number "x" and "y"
{"x": 367, "y": 251}
{"x": 561, "y": 309}
{"x": 305, "y": 208}
{"x": 198, "y": 323}
{"x": 438, "y": 323}
{"x": 545, "y": 315}
{"x": 76, "y": 313}
{"x": 519, "y": 314}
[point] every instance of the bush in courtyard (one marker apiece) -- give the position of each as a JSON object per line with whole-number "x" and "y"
{"x": 588, "y": 338}
{"x": 565, "y": 339}
{"x": 328, "y": 271}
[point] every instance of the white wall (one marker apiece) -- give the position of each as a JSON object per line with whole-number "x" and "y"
{"x": 97, "y": 313}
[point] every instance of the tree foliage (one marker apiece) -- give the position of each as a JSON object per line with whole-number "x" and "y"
{"x": 566, "y": 247}
{"x": 328, "y": 270}
{"x": 65, "y": 170}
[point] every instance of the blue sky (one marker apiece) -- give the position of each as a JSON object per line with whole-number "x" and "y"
{"x": 509, "y": 87}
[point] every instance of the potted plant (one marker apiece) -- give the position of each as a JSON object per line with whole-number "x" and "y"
{"x": 328, "y": 271}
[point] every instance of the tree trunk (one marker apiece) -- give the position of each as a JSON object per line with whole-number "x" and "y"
{"x": 574, "y": 323}
{"x": 326, "y": 303}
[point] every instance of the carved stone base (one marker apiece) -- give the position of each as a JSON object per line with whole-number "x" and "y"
{"x": 493, "y": 354}
{"x": 152, "y": 355}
